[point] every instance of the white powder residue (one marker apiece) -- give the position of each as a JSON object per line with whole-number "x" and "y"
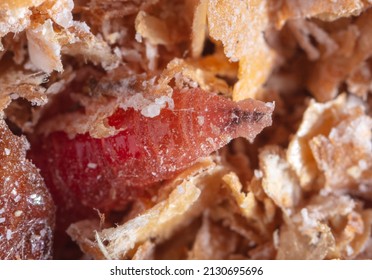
{"x": 7, "y": 151}
{"x": 2, "y": 220}
{"x": 153, "y": 109}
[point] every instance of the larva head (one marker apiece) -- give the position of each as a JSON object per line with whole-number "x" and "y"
{"x": 248, "y": 118}
{"x": 226, "y": 119}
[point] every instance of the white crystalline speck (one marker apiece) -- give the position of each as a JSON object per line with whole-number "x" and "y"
{"x": 92, "y": 165}
{"x": 7, "y": 151}
{"x": 35, "y": 199}
{"x": 18, "y": 213}
{"x": 2, "y": 220}
{"x": 9, "y": 234}
{"x": 200, "y": 120}
{"x": 153, "y": 109}
{"x": 270, "y": 105}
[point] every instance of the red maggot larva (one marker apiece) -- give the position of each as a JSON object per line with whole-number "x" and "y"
{"x": 106, "y": 173}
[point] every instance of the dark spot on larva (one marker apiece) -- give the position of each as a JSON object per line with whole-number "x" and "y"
{"x": 238, "y": 116}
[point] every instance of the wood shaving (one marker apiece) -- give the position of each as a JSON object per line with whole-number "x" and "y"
{"x": 279, "y": 181}
{"x": 199, "y": 28}
{"x": 354, "y": 47}
{"x": 325, "y": 10}
{"x": 240, "y": 26}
